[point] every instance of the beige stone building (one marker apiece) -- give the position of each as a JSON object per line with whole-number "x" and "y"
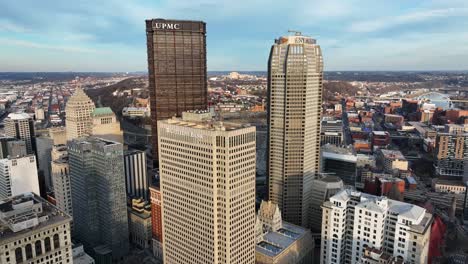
{"x": 106, "y": 125}
{"x": 295, "y": 72}
{"x": 78, "y": 111}
{"x": 60, "y": 173}
{"x": 207, "y": 171}
{"x": 33, "y": 231}
{"x": 58, "y": 135}
{"x": 279, "y": 242}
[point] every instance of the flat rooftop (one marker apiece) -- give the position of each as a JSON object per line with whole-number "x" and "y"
{"x": 274, "y": 243}
{"x": 22, "y": 203}
{"x": 211, "y": 125}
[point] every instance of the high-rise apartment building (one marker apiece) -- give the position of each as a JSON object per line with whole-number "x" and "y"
{"x": 21, "y": 126}
{"x": 177, "y": 69}
{"x": 60, "y": 171}
{"x": 136, "y": 177}
{"x": 18, "y": 175}
{"x": 207, "y": 173}
{"x": 295, "y": 72}
{"x": 33, "y": 231}
{"x": 353, "y": 222}
{"x": 106, "y": 125}
{"x": 98, "y": 195}
{"x": 452, "y": 152}
{"x": 78, "y": 111}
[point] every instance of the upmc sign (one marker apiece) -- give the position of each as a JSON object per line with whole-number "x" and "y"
{"x": 157, "y": 25}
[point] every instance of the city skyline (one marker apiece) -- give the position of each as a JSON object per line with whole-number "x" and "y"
{"x": 397, "y": 35}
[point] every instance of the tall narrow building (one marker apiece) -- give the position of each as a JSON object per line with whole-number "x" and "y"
{"x": 177, "y": 69}
{"x": 21, "y": 126}
{"x": 98, "y": 196}
{"x": 78, "y": 111}
{"x": 295, "y": 72}
{"x": 207, "y": 173}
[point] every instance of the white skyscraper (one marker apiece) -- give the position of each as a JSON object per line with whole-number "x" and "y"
{"x": 18, "y": 175}
{"x": 207, "y": 173}
{"x": 353, "y": 222}
{"x": 295, "y": 71}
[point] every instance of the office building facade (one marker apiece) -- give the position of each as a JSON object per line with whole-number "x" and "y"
{"x": 21, "y": 126}
{"x": 136, "y": 178}
{"x": 60, "y": 171}
{"x": 18, "y": 175}
{"x": 98, "y": 196}
{"x": 295, "y": 72}
{"x": 33, "y": 231}
{"x": 323, "y": 188}
{"x": 156, "y": 221}
{"x": 452, "y": 153}
{"x": 207, "y": 173}
{"x": 353, "y": 222}
{"x": 78, "y": 111}
{"x": 176, "y": 68}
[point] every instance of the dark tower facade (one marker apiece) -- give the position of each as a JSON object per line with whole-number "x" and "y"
{"x": 177, "y": 69}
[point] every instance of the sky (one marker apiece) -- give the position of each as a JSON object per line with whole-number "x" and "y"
{"x": 109, "y": 35}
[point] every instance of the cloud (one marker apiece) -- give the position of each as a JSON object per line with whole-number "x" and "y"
{"x": 35, "y": 45}
{"x": 6, "y": 25}
{"x": 408, "y": 18}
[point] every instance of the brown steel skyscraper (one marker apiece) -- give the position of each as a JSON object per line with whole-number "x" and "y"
{"x": 177, "y": 69}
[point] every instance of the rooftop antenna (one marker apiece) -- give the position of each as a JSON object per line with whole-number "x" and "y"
{"x": 297, "y": 33}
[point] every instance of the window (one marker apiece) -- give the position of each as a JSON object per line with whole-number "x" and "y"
{"x": 38, "y": 247}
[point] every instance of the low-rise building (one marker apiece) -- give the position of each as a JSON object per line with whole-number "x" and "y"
{"x": 80, "y": 256}
{"x": 280, "y": 242}
{"x": 139, "y": 223}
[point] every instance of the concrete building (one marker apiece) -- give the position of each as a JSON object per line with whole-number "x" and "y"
{"x": 449, "y": 186}
{"x": 18, "y": 175}
{"x": 279, "y": 242}
{"x": 39, "y": 113}
{"x": 452, "y": 153}
{"x": 295, "y": 71}
{"x": 392, "y": 160}
{"x": 60, "y": 171}
{"x": 80, "y": 256}
{"x": 377, "y": 256}
{"x": 353, "y": 221}
{"x": 99, "y": 204}
{"x": 331, "y": 132}
{"x": 105, "y": 125}
{"x": 156, "y": 221}
{"x": 136, "y": 178}
{"x": 176, "y": 69}
{"x": 139, "y": 223}
{"x": 21, "y": 126}
{"x": 207, "y": 171}
{"x": 78, "y": 121}
{"x": 33, "y": 231}
{"x": 44, "y": 146}
{"x": 323, "y": 188}
{"x": 340, "y": 162}
{"x": 58, "y": 135}
{"x": 12, "y": 147}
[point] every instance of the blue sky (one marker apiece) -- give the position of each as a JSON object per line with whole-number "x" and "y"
{"x": 109, "y": 35}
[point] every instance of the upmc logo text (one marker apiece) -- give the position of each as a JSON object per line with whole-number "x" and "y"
{"x": 166, "y": 26}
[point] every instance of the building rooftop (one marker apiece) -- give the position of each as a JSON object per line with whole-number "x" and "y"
{"x": 392, "y": 154}
{"x": 27, "y": 212}
{"x": 274, "y": 243}
{"x": 102, "y": 111}
{"x": 18, "y": 116}
{"x": 204, "y": 124}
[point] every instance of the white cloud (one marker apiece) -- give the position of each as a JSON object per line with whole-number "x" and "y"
{"x": 6, "y": 25}
{"x": 404, "y": 19}
{"x": 35, "y": 45}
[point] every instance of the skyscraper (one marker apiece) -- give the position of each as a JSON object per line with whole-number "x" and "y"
{"x": 156, "y": 221}
{"x": 177, "y": 69}
{"x": 295, "y": 72}
{"x": 207, "y": 173}
{"x": 78, "y": 111}
{"x": 60, "y": 172}
{"x": 21, "y": 126}
{"x": 18, "y": 175}
{"x": 98, "y": 195}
